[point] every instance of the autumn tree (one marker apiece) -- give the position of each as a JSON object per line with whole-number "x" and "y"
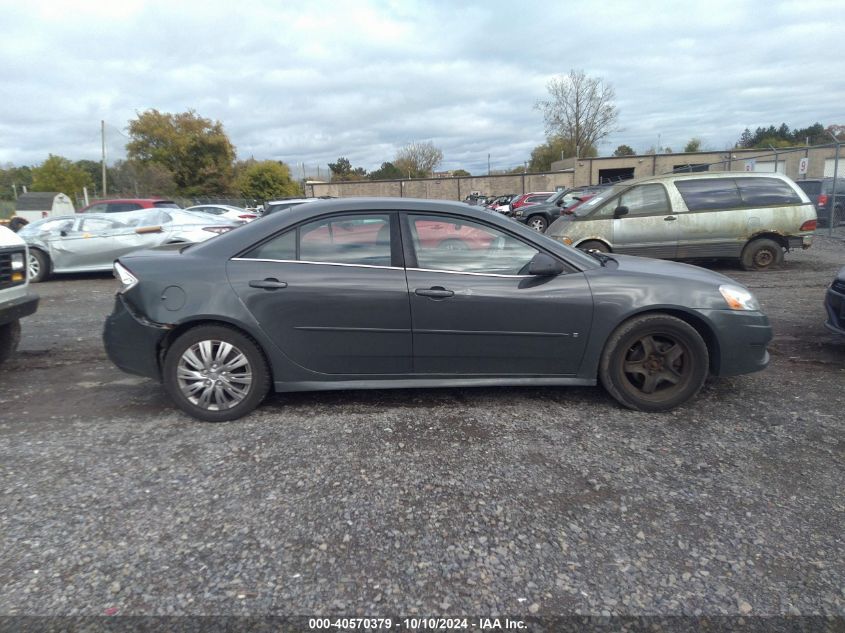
{"x": 266, "y": 180}
{"x": 580, "y": 109}
{"x": 418, "y": 159}
{"x": 141, "y": 179}
{"x": 624, "y": 150}
{"x": 194, "y": 149}
{"x": 555, "y": 148}
{"x": 59, "y": 174}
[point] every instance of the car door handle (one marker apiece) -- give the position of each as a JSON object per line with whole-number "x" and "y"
{"x": 268, "y": 284}
{"x": 436, "y": 293}
{"x": 669, "y": 218}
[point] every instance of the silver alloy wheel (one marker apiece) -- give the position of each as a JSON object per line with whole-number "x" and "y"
{"x": 538, "y": 223}
{"x": 34, "y": 266}
{"x": 214, "y": 375}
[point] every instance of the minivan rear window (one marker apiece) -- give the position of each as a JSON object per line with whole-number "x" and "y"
{"x": 758, "y": 192}
{"x": 810, "y": 187}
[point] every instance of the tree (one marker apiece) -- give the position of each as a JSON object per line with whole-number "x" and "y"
{"x": 387, "y": 171}
{"x": 194, "y": 149}
{"x": 134, "y": 178}
{"x": 460, "y": 173}
{"x": 14, "y": 179}
{"x": 418, "y": 159}
{"x": 624, "y": 150}
{"x": 266, "y": 180}
{"x": 59, "y": 174}
{"x": 693, "y": 145}
{"x": 343, "y": 171}
{"x": 555, "y": 148}
{"x": 580, "y": 109}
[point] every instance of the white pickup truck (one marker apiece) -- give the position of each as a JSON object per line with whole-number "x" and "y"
{"x": 16, "y": 301}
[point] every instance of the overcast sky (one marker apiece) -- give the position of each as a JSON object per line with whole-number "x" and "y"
{"x": 307, "y": 82}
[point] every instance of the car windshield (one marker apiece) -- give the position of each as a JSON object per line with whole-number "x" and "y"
{"x": 587, "y": 207}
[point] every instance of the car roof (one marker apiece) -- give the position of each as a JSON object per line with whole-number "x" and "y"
{"x": 252, "y": 232}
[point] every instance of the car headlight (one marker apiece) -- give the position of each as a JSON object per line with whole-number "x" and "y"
{"x": 17, "y": 261}
{"x": 125, "y": 277}
{"x": 738, "y": 298}
{"x": 518, "y": 214}
{"x": 218, "y": 230}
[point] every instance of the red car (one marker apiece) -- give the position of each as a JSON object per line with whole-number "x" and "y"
{"x": 117, "y": 205}
{"x": 527, "y": 199}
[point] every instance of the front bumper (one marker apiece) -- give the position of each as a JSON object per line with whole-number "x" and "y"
{"x": 834, "y": 303}
{"x": 133, "y": 343}
{"x": 18, "y": 308}
{"x": 743, "y": 337}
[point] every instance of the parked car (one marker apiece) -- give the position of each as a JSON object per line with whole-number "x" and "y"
{"x": 539, "y": 216}
{"x": 357, "y": 293}
{"x": 16, "y": 301}
{"x": 519, "y": 209}
{"x": 502, "y": 204}
{"x": 120, "y": 205}
{"x": 820, "y": 193}
{"x": 834, "y": 303}
{"x": 751, "y": 216}
{"x": 236, "y": 214}
{"x": 284, "y": 204}
{"x": 91, "y": 242}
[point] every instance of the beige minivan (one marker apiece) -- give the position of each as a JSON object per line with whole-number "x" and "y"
{"x": 751, "y": 216}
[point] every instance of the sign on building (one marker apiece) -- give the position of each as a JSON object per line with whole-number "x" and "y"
{"x": 803, "y": 164}
{"x": 749, "y": 164}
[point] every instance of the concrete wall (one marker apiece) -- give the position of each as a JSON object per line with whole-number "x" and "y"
{"x": 586, "y": 170}
{"x": 444, "y": 188}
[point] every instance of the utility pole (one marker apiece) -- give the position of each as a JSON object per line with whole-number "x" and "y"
{"x": 103, "y": 137}
{"x": 832, "y": 217}
{"x": 488, "y": 164}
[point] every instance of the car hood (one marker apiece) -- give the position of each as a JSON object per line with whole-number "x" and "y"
{"x": 664, "y": 268}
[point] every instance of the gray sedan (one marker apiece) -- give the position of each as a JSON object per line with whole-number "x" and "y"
{"x": 91, "y": 242}
{"x": 382, "y": 293}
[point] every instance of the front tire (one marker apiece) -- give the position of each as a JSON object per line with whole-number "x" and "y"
{"x": 10, "y": 336}
{"x": 537, "y": 222}
{"x": 654, "y": 362}
{"x": 215, "y": 373}
{"x": 761, "y": 254}
{"x": 39, "y": 266}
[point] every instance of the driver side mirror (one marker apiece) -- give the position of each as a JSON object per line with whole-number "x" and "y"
{"x": 620, "y": 211}
{"x": 542, "y": 265}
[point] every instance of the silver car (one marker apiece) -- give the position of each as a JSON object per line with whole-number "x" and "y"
{"x": 91, "y": 242}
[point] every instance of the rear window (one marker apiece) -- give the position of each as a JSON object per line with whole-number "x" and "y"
{"x": 811, "y": 188}
{"x": 758, "y": 192}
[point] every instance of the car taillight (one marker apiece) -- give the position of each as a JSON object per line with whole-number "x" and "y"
{"x": 247, "y": 216}
{"x": 809, "y": 225}
{"x": 822, "y": 199}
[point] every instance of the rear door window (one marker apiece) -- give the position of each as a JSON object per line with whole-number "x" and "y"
{"x": 759, "y": 192}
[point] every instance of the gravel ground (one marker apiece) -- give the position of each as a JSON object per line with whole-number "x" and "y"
{"x": 536, "y": 501}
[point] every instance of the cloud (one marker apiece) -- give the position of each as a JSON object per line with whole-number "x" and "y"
{"x": 309, "y": 83}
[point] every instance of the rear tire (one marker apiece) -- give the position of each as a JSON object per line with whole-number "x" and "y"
{"x": 594, "y": 245}
{"x": 39, "y": 266}
{"x": 10, "y": 336}
{"x": 761, "y": 254}
{"x": 654, "y": 362}
{"x": 215, "y": 373}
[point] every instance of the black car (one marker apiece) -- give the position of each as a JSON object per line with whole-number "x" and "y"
{"x": 834, "y": 303}
{"x": 820, "y": 192}
{"x": 380, "y": 293}
{"x": 540, "y": 216}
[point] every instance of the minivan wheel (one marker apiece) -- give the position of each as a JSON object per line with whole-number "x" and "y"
{"x": 214, "y": 373}
{"x": 594, "y": 245}
{"x": 537, "y": 222}
{"x": 39, "y": 266}
{"x": 654, "y": 362}
{"x": 761, "y": 254}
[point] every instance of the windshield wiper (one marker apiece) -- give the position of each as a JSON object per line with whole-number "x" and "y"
{"x": 600, "y": 256}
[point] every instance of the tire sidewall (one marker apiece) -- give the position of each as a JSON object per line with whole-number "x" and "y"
{"x": 612, "y": 363}
{"x": 258, "y": 363}
{"x": 43, "y": 265}
{"x": 533, "y": 218}
{"x": 749, "y": 254}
